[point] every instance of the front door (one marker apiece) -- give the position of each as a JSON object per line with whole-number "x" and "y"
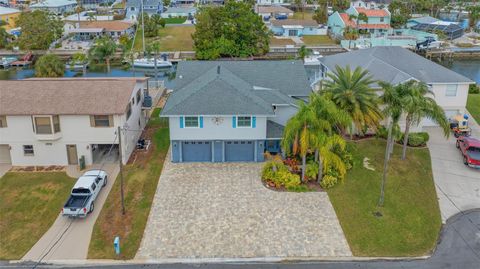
{"x": 72, "y": 154}
{"x": 292, "y": 32}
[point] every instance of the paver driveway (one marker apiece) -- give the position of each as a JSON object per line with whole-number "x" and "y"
{"x": 458, "y": 186}
{"x": 208, "y": 210}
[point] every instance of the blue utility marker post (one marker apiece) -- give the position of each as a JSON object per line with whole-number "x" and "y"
{"x": 116, "y": 245}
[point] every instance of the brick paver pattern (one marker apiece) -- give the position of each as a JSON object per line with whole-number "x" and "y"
{"x": 222, "y": 210}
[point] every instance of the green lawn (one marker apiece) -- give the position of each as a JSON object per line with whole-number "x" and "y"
{"x": 172, "y": 38}
{"x": 29, "y": 204}
{"x": 307, "y": 15}
{"x": 178, "y": 20}
{"x": 317, "y": 40}
{"x": 473, "y": 106}
{"x": 411, "y": 218}
{"x": 281, "y": 41}
{"x": 140, "y": 184}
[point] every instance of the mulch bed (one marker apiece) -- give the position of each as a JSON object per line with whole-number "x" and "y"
{"x": 312, "y": 186}
{"x": 50, "y": 168}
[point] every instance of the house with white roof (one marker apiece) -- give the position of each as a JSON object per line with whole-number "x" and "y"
{"x": 397, "y": 65}
{"x": 232, "y": 111}
{"x": 58, "y": 121}
{"x": 55, "y": 6}
{"x": 292, "y": 27}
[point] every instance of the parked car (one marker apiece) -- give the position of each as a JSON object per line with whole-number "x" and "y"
{"x": 84, "y": 192}
{"x": 470, "y": 148}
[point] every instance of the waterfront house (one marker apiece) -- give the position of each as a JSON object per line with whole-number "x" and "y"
{"x": 397, "y": 65}
{"x": 175, "y": 12}
{"x": 89, "y": 30}
{"x": 57, "y": 121}
{"x": 227, "y": 111}
{"x": 57, "y": 7}
{"x": 272, "y": 2}
{"x": 370, "y": 4}
{"x": 377, "y": 24}
{"x": 291, "y": 27}
{"x": 9, "y": 15}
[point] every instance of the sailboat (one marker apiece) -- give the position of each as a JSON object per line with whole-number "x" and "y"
{"x": 151, "y": 62}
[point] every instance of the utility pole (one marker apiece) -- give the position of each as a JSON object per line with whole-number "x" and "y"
{"x": 119, "y": 133}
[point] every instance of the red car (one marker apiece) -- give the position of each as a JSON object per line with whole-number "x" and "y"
{"x": 470, "y": 148}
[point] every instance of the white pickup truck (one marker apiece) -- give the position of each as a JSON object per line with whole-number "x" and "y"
{"x": 84, "y": 193}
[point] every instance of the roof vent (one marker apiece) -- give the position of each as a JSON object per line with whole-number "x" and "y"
{"x": 218, "y": 69}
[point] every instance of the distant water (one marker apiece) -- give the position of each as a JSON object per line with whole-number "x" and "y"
{"x": 165, "y": 74}
{"x": 468, "y": 68}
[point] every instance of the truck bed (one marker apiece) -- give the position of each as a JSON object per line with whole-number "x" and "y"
{"x": 77, "y": 201}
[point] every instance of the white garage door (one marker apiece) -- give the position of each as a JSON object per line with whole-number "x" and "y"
{"x": 5, "y": 154}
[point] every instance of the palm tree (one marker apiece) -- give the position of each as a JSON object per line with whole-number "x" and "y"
{"x": 299, "y": 135}
{"x": 155, "y": 49}
{"x": 351, "y": 92}
{"x": 417, "y": 105}
{"x": 49, "y": 65}
{"x": 391, "y": 99}
{"x": 103, "y": 50}
{"x": 80, "y": 58}
{"x": 303, "y": 52}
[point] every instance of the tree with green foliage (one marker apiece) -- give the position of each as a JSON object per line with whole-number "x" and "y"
{"x": 339, "y": 5}
{"x": 39, "y": 30}
{"x": 80, "y": 58}
{"x": 49, "y": 65}
{"x": 362, "y": 17}
{"x": 351, "y": 92}
{"x": 152, "y": 24}
{"x": 303, "y": 52}
{"x": 4, "y": 36}
{"x": 473, "y": 15}
{"x": 231, "y": 30}
{"x": 321, "y": 14}
{"x": 166, "y": 3}
{"x": 400, "y": 13}
{"x": 417, "y": 105}
{"x": 103, "y": 50}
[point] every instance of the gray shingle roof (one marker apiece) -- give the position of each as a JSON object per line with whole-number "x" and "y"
{"x": 240, "y": 87}
{"x": 394, "y": 65}
{"x": 274, "y": 130}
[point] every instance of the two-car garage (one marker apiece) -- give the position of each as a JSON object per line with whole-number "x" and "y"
{"x": 215, "y": 151}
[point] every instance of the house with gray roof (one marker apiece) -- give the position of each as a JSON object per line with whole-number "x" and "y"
{"x": 150, "y": 7}
{"x": 230, "y": 111}
{"x": 397, "y": 65}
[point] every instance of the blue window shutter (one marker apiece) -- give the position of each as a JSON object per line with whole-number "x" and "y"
{"x": 201, "y": 121}
{"x": 181, "y": 122}
{"x": 234, "y": 122}
{"x": 254, "y": 122}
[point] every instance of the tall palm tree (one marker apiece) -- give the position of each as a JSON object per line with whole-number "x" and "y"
{"x": 103, "y": 50}
{"x": 351, "y": 92}
{"x": 49, "y": 65}
{"x": 155, "y": 49}
{"x": 391, "y": 99}
{"x": 80, "y": 57}
{"x": 303, "y": 52}
{"x": 417, "y": 105}
{"x": 326, "y": 140}
{"x": 299, "y": 135}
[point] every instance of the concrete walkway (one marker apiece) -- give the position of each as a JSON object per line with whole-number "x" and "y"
{"x": 458, "y": 186}
{"x": 222, "y": 210}
{"x": 76, "y": 232}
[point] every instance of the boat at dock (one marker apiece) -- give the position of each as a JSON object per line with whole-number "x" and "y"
{"x": 150, "y": 63}
{"x": 5, "y": 62}
{"x": 76, "y": 65}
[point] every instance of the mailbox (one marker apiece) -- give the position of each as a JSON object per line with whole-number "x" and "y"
{"x": 116, "y": 245}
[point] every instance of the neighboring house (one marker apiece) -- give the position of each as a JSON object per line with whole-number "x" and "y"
{"x": 8, "y": 15}
{"x": 58, "y": 7}
{"x": 272, "y": 11}
{"x": 227, "y": 111}
{"x": 150, "y": 7}
{"x": 378, "y": 21}
{"x": 89, "y": 30}
{"x": 370, "y": 4}
{"x": 291, "y": 27}
{"x": 396, "y": 65}
{"x": 93, "y": 4}
{"x": 273, "y": 2}
{"x": 57, "y": 121}
{"x": 174, "y": 12}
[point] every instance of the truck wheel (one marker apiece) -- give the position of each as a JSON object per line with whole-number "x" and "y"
{"x": 105, "y": 181}
{"x": 465, "y": 161}
{"x": 457, "y": 144}
{"x": 92, "y": 207}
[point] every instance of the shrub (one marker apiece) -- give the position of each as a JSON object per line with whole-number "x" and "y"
{"x": 417, "y": 139}
{"x": 311, "y": 171}
{"x": 287, "y": 179}
{"x": 473, "y": 89}
{"x": 328, "y": 181}
{"x": 278, "y": 173}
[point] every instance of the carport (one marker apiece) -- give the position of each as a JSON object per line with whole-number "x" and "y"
{"x": 101, "y": 153}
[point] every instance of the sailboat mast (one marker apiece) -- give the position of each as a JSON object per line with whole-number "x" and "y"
{"x": 143, "y": 29}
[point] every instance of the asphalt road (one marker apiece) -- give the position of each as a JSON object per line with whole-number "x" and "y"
{"x": 458, "y": 247}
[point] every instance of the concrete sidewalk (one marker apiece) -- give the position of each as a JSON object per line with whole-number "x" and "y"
{"x": 73, "y": 235}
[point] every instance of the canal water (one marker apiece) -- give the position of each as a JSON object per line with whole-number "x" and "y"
{"x": 468, "y": 68}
